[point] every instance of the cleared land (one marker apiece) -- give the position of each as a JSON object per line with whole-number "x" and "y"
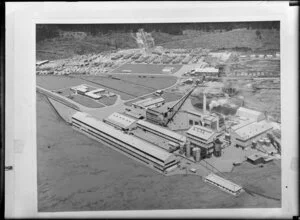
{"x": 128, "y": 87}
{"x": 76, "y": 173}
{"x": 146, "y": 68}
{"x": 239, "y": 38}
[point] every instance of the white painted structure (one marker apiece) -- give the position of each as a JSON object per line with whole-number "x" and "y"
{"x": 135, "y": 148}
{"x": 162, "y": 132}
{"x": 250, "y": 114}
{"x": 120, "y": 121}
{"x": 223, "y": 184}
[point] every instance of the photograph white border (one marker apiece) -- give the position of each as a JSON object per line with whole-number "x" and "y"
{"x": 21, "y": 18}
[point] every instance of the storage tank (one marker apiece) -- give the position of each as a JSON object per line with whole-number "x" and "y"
{"x": 261, "y": 142}
{"x": 188, "y": 150}
{"x": 218, "y": 149}
{"x": 254, "y": 144}
{"x": 181, "y": 149}
{"x": 267, "y": 142}
{"x": 197, "y": 152}
{"x": 227, "y": 137}
{"x": 194, "y": 153}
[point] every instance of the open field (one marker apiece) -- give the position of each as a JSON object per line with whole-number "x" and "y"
{"x": 86, "y": 101}
{"x": 146, "y": 68}
{"x": 76, "y": 173}
{"x": 128, "y": 87}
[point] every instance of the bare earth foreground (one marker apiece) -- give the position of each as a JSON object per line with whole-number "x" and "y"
{"x": 76, "y": 173}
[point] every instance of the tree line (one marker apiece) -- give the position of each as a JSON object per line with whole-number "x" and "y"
{"x": 44, "y": 31}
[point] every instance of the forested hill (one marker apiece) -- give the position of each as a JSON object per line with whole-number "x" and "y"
{"x": 45, "y": 31}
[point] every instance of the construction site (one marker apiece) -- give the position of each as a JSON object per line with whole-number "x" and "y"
{"x": 177, "y": 112}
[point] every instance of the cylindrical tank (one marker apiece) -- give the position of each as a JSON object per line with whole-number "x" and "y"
{"x": 188, "y": 151}
{"x": 261, "y": 142}
{"x": 254, "y": 144}
{"x": 227, "y": 137}
{"x": 267, "y": 142}
{"x": 181, "y": 149}
{"x": 197, "y": 156}
{"x": 217, "y": 148}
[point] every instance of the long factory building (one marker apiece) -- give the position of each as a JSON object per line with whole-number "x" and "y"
{"x": 162, "y": 132}
{"x": 142, "y": 151}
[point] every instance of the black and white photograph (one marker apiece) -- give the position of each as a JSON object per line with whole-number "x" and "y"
{"x": 158, "y": 116}
{"x": 151, "y": 115}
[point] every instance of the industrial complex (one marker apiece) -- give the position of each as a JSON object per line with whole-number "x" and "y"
{"x": 169, "y": 135}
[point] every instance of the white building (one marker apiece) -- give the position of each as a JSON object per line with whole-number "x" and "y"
{"x": 202, "y": 137}
{"x": 243, "y": 136}
{"x": 250, "y": 114}
{"x": 133, "y": 147}
{"x": 81, "y": 89}
{"x": 95, "y": 93}
{"x": 162, "y": 132}
{"x": 120, "y": 121}
{"x": 149, "y": 103}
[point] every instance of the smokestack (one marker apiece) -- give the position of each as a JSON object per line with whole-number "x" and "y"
{"x": 204, "y": 103}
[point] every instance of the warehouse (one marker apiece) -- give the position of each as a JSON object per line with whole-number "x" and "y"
{"x": 223, "y": 184}
{"x": 149, "y": 103}
{"x": 133, "y": 147}
{"x": 120, "y": 121}
{"x": 203, "y": 138}
{"x": 95, "y": 93}
{"x": 162, "y": 132}
{"x": 250, "y": 114}
{"x": 244, "y": 136}
{"x": 80, "y": 89}
{"x": 206, "y": 71}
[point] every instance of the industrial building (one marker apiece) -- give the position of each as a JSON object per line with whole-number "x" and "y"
{"x": 95, "y": 93}
{"x": 223, "y": 184}
{"x": 207, "y": 120}
{"x": 250, "y": 114}
{"x": 203, "y": 138}
{"x": 80, "y": 89}
{"x": 243, "y": 136}
{"x": 162, "y": 132}
{"x": 120, "y": 121}
{"x": 205, "y": 71}
{"x": 135, "y": 148}
{"x": 149, "y": 103}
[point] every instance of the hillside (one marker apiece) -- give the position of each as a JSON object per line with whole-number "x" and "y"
{"x": 58, "y": 48}
{"x": 241, "y": 38}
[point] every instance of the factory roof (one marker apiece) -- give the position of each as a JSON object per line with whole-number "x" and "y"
{"x": 162, "y": 130}
{"x": 207, "y": 70}
{"x": 201, "y": 132}
{"x": 223, "y": 182}
{"x": 249, "y": 112}
{"x": 148, "y": 102}
{"x": 164, "y": 108}
{"x": 253, "y": 129}
{"x": 120, "y": 120}
{"x": 144, "y": 146}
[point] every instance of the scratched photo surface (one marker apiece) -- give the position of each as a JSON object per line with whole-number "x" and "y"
{"x": 158, "y": 116}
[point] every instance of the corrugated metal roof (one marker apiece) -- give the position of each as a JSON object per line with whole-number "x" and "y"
{"x": 253, "y": 129}
{"x": 162, "y": 130}
{"x": 223, "y": 182}
{"x": 120, "y": 120}
{"x": 241, "y": 111}
{"x": 129, "y": 139}
{"x": 149, "y": 101}
{"x": 200, "y": 131}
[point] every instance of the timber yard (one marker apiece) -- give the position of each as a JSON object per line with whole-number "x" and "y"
{"x": 193, "y": 113}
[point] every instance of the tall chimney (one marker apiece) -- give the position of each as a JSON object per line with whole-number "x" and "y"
{"x": 204, "y": 103}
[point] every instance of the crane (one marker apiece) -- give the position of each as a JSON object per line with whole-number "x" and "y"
{"x": 176, "y": 107}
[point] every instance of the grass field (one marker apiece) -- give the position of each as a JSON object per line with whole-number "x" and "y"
{"x": 76, "y": 173}
{"x": 128, "y": 87}
{"x": 86, "y": 101}
{"x": 146, "y": 68}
